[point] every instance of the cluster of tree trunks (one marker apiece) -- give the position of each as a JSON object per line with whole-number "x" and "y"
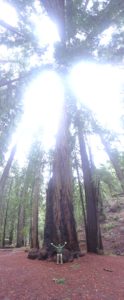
{"x": 60, "y": 223}
{"x": 93, "y": 235}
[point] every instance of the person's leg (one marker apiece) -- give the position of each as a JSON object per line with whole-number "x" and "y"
{"x": 61, "y": 258}
{"x": 57, "y": 258}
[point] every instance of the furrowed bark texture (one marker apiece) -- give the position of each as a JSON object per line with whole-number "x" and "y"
{"x": 60, "y": 223}
{"x": 94, "y": 242}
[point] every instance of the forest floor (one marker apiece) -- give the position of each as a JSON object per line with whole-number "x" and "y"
{"x": 91, "y": 277}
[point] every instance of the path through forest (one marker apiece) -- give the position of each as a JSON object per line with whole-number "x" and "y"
{"x": 91, "y": 277}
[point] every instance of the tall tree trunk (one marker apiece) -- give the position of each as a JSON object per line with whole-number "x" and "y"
{"x": 22, "y": 214}
{"x": 60, "y": 223}
{"x": 5, "y": 223}
{"x": 20, "y": 226}
{"x": 49, "y": 229}
{"x": 7, "y": 169}
{"x": 94, "y": 242}
{"x": 56, "y": 11}
{"x": 35, "y": 207}
{"x": 3, "y": 180}
{"x": 97, "y": 193}
{"x": 6, "y": 215}
{"x": 11, "y": 232}
{"x": 81, "y": 195}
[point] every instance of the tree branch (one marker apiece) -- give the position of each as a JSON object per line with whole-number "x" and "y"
{"x": 5, "y": 82}
{"x": 86, "y": 4}
{"x": 6, "y": 61}
{"x": 10, "y": 28}
{"x": 36, "y": 70}
{"x": 105, "y": 18}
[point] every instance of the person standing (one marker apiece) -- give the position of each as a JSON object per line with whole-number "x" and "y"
{"x": 59, "y": 250}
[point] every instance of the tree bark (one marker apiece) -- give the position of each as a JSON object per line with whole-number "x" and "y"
{"x": 35, "y": 206}
{"x": 7, "y": 169}
{"x": 81, "y": 195}
{"x": 94, "y": 242}
{"x": 11, "y": 232}
{"x": 6, "y": 215}
{"x": 3, "y": 181}
{"x": 20, "y": 226}
{"x": 56, "y": 11}
{"x": 60, "y": 223}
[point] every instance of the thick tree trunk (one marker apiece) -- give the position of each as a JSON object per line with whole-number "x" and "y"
{"x": 60, "y": 223}
{"x": 3, "y": 181}
{"x": 7, "y": 169}
{"x": 6, "y": 215}
{"x": 56, "y": 11}
{"x": 98, "y": 197}
{"x": 94, "y": 242}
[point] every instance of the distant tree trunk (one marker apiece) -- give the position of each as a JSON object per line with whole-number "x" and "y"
{"x": 35, "y": 207}
{"x": 11, "y": 232}
{"x": 6, "y": 215}
{"x": 50, "y": 228}
{"x": 4, "y": 225}
{"x": 20, "y": 226}
{"x": 60, "y": 223}
{"x": 22, "y": 214}
{"x": 81, "y": 195}
{"x": 30, "y": 226}
{"x": 94, "y": 242}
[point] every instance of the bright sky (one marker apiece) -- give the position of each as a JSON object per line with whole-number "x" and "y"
{"x": 99, "y": 88}
{"x": 43, "y": 104}
{"x": 8, "y": 13}
{"x": 96, "y": 86}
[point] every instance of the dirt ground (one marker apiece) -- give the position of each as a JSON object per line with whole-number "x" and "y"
{"x": 91, "y": 277}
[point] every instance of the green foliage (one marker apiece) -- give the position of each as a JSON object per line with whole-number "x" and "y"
{"x": 109, "y": 226}
{"x": 75, "y": 266}
{"x": 116, "y": 218}
{"x": 10, "y": 111}
{"x": 59, "y": 280}
{"x": 77, "y": 204}
{"x": 108, "y": 180}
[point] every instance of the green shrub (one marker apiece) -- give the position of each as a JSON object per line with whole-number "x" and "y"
{"x": 109, "y": 226}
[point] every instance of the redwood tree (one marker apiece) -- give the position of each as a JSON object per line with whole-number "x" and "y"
{"x": 3, "y": 181}
{"x": 35, "y": 208}
{"x": 60, "y": 223}
{"x": 93, "y": 235}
